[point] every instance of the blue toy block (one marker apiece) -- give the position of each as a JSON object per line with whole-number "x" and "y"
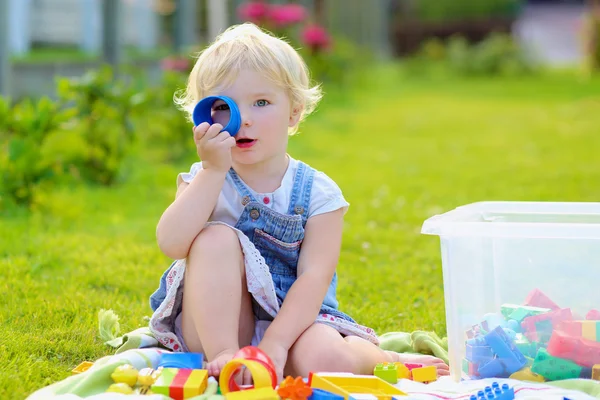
{"x": 506, "y": 350}
{"x": 495, "y": 392}
{"x": 181, "y": 360}
{"x": 479, "y": 354}
{"x": 319, "y": 394}
{"x": 492, "y": 321}
{"x": 493, "y": 369}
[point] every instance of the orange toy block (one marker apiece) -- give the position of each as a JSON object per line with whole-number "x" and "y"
{"x": 294, "y": 389}
{"x": 424, "y": 374}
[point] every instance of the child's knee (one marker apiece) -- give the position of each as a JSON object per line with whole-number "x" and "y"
{"x": 216, "y": 239}
{"x": 325, "y": 357}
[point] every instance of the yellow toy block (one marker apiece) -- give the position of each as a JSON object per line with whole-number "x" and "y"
{"x": 196, "y": 383}
{"x": 347, "y": 384}
{"x": 424, "y": 374}
{"x": 265, "y": 393}
{"x": 403, "y": 371}
{"x": 588, "y": 330}
{"x": 596, "y": 372}
{"x": 527, "y": 375}
{"x": 84, "y": 366}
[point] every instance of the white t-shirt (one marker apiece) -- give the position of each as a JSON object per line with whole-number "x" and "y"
{"x": 325, "y": 196}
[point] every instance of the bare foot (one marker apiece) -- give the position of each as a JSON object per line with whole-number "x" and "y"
{"x": 441, "y": 366}
{"x": 215, "y": 366}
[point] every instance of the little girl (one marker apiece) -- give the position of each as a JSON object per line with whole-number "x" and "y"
{"x": 256, "y": 233}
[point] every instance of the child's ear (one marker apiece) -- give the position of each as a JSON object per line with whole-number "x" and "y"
{"x": 295, "y": 115}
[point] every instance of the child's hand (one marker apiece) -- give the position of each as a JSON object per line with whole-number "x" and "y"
{"x": 278, "y": 355}
{"x": 214, "y": 146}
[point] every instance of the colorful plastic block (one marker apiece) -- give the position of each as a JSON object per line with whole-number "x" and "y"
{"x": 593, "y": 315}
{"x": 580, "y": 350}
{"x": 403, "y": 371}
{"x": 596, "y": 372}
{"x": 319, "y": 394}
{"x": 84, "y": 366}
{"x": 424, "y": 374}
{"x": 181, "y": 360}
{"x": 495, "y": 392}
{"x": 265, "y": 393}
{"x": 347, "y": 384}
{"x": 294, "y": 389}
{"x": 504, "y": 348}
{"x": 589, "y": 329}
{"x": 479, "y": 354}
{"x": 571, "y": 328}
{"x": 553, "y": 368}
{"x": 555, "y": 317}
{"x": 537, "y": 298}
{"x": 181, "y": 383}
{"x": 527, "y": 375}
{"x": 388, "y": 373}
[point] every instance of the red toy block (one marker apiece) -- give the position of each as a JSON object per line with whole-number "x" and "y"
{"x": 571, "y": 328}
{"x": 593, "y": 315}
{"x": 582, "y": 351}
{"x": 537, "y": 298}
{"x": 555, "y": 317}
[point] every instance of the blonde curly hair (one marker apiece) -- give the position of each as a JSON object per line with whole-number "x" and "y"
{"x": 247, "y": 46}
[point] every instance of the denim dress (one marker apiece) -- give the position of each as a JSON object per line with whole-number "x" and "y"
{"x": 272, "y": 242}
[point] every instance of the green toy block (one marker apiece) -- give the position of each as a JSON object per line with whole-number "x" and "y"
{"x": 507, "y": 309}
{"x": 519, "y": 314}
{"x": 553, "y": 368}
{"x": 465, "y": 365}
{"x": 163, "y": 383}
{"x": 387, "y": 372}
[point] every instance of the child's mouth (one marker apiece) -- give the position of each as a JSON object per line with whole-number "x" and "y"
{"x": 245, "y": 143}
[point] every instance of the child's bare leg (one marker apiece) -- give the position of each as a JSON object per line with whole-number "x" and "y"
{"x": 322, "y": 348}
{"x": 217, "y": 310}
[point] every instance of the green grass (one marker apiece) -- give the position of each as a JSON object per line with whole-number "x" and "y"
{"x": 402, "y": 149}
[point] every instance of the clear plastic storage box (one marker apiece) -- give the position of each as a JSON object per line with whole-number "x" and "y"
{"x": 522, "y": 289}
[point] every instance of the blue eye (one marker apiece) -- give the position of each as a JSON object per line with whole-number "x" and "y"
{"x": 262, "y": 103}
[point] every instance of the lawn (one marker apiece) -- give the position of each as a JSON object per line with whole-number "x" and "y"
{"x": 402, "y": 149}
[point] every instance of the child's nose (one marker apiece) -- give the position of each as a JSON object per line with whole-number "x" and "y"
{"x": 246, "y": 119}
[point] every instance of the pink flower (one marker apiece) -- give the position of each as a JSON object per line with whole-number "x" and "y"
{"x": 316, "y": 37}
{"x": 253, "y": 11}
{"x": 174, "y": 63}
{"x": 287, "y": 14}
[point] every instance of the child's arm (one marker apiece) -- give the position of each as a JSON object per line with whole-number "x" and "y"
{"x": 186, "y": 216}
{"x": 183, "y": 220}
{"x": 317, "y": 263}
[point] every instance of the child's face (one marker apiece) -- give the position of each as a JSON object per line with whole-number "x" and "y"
{"x": 266, "y": 114}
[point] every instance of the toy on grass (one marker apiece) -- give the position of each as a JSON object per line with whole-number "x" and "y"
{"x": 294, "y": 389}
{"x": 348, "y": 384}
{"x": 203, "y": 113}
{"x": 257, "y": 362}
{"x": 84, "y": 366}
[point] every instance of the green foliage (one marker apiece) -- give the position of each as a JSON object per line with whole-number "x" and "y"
{"x": 497, "y": 55}
{"x": 445, "y": 10}
{"x": 501, "y": 138}
{"x": 168, "y": 127}
{"x": 105, "y": 109}
{"x": 30, "y": 157}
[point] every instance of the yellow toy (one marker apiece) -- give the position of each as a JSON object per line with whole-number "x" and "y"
{"x": 347, "y": 384}
{"x": 260, "y": 374}
{"x": 265, "y": 393}
{"x": 527, "y": 375}
{"x": 403, "y": 371}
{"x": 84, "y": 366}
{"x": 125, "y": 374}
{"x": 424, "y": 374}
{"x": 122, "y": 388}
